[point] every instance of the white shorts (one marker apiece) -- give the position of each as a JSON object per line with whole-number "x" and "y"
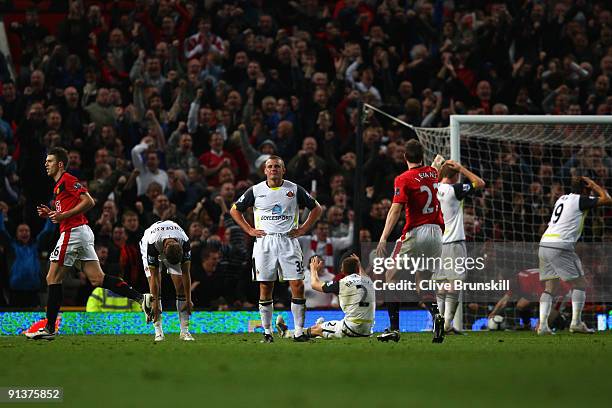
{"x": 453, "y": 250}
{"x": 559, "y": 264}
{"x": 75, "y": 244}
{"x": 423, "y": 241}
{"x": 336, "y": 329}
{"x": 145, "y": 262}
{"x": 277, "y": 255}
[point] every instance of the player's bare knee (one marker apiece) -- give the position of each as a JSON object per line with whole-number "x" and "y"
{"x": 579, "y": 283}
{"x": 297, "y": 288}
{"x": 94, "y": 273}
{"x": 551, "y": 286}
{"x": 265, "y": 290}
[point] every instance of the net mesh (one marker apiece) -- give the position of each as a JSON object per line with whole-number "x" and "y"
{"x": 527, "y": 167}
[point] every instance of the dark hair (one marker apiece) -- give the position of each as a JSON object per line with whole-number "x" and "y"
{"x": 60, "y": 154}
{"x": 578, "y": 185}
{"x": 350, "y": 266}
{"x": 173, "y": 252}
{"x": 414, "y": 151}
{"x": 207, "y": 251}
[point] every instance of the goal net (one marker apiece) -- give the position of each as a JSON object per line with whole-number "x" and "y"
{"x": 528, "y": 163}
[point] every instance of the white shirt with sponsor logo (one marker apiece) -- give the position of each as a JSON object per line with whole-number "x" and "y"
{"x": 276, "y": 209}
{"x": 451, "y": 198}
{"x": 567, "y": 220}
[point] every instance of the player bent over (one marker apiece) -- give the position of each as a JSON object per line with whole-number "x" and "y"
{"x": 276, "y": 204}
{"x": 76, "y": 243}
{"x": 357, "y": 301}
{"x": 451, "y": 194}
{"x": 416, "y": 190}
{"x": 166, "y": 243}
{"x": 558, "y": 258}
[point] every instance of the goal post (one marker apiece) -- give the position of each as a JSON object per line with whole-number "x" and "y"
{"x": 527, "y": 162}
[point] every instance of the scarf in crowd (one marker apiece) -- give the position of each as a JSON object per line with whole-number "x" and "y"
{"x": 328, "y": 256}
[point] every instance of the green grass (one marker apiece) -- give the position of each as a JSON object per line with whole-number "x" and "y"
{"x": 481, "y": 369}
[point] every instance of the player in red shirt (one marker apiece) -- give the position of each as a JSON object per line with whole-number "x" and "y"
{"x": 527, "y": 289}
{"x": 76, "y": 242}
{"x": 416, "y": 191}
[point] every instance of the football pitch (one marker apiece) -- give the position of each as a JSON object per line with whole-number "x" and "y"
{"x": 231, "y": 370}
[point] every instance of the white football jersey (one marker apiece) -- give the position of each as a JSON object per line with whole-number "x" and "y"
{"x": 356, "y": 297}
{"x": 276, "y": 210}
{"x": 567, "y": 220}
{"x": 451, "y": 200}
{"x": 153, "y": 240}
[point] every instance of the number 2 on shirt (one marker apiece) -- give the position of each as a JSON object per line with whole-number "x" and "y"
{"x": 427, "y": 209}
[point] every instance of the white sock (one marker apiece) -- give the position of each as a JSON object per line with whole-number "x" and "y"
{"x": 158, "y": 324}
{"x": 458, "y": 319}
{"x": 546, "y": 300}
{"x": 578, "y": 298}
{"x": 298, "y": 310}
{"x": 266, "y": 308}
{"x": 450, "y": 305}
{"x": 440, "y": 301}
{"x": 183, "y": 316}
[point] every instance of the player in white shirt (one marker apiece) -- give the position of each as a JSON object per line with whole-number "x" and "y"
{"x": 558, "y": 258}
{"x": 451, "y": 194}
{"x": 357, "y": 300}
{"x": 166, "y": 243}
{"x": 276, "y": 253}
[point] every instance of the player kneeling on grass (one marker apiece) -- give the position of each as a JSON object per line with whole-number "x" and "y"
{"x": 355, "y": 294}
{"x": 558, "y": 258}
{"x": 165, "y": 242}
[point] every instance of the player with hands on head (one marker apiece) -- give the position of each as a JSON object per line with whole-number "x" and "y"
{"x": 451, "y": 193}
{"x": 558, "y": 258}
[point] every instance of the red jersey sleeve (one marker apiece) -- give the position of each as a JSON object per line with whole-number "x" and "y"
{"x": 400, "y": 195}
{"x": 75, "y": 188}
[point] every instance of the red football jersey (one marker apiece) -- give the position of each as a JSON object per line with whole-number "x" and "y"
{"x": 66, "y": 195}
{"x": 529, "y": 284}
{"x": 417, "y": 189}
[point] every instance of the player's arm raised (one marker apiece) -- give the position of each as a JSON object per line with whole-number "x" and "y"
{"x": 85, "y": 203}
{"x": 476, "y": 181}
{"x": 316, "y": 265}
{"x": 604, "y": 197}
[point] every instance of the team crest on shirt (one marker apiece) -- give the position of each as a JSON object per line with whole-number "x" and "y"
{"x": 290, "y": 194}
{"x": 59, "y": 189}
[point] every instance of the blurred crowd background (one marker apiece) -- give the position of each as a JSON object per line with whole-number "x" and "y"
{"x": 169, "y": 109}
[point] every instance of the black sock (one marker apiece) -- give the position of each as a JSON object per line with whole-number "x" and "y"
{"x": 120, "y": 287}
{"x": 394, "y": 312}
{"x": 54, "y": 301}
{"x": 309, "y": 333}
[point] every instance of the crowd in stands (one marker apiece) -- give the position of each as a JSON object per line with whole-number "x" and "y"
{"x": 169, "y": 109}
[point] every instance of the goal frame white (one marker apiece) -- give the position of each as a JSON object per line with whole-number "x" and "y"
{"x": 457, "y": 120}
